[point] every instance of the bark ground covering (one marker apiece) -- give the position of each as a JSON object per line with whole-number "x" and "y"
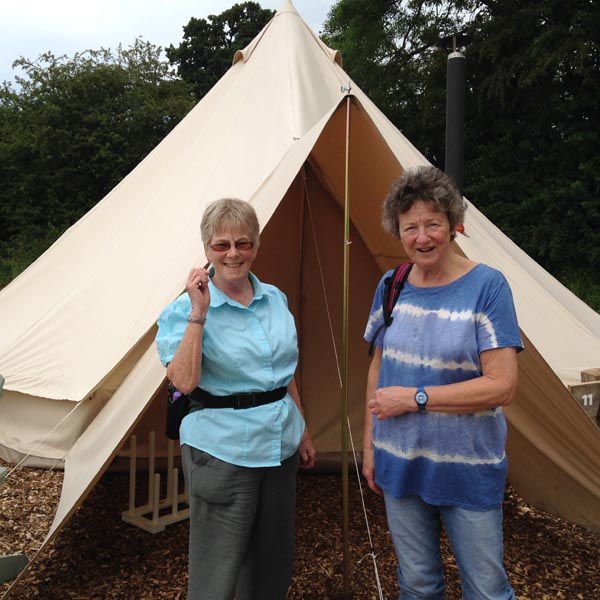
{"x": 99, "y": 557}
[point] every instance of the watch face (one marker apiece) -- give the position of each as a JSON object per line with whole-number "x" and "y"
{"x": 421, "y": 397}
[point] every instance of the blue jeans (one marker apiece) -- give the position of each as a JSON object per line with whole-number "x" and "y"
{"x": 476, "y": 541}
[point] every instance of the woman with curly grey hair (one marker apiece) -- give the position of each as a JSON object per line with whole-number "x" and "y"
{"x": 425, "y": 184}
{"x": 435, "y": 431}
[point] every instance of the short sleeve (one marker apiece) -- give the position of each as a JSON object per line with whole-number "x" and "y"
{"x": 171, "y": 327}
{"x": 497, "y": 325}
{"x": 375, "y": 320}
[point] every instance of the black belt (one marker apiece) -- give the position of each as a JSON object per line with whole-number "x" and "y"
{"x": 237, "y": 401}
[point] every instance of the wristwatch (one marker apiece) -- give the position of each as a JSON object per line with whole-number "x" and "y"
{"x": 421, "y": 399}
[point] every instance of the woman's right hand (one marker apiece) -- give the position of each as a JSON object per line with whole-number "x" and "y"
{"x": 197, "y": 289}
{"x": 368, "y": 470}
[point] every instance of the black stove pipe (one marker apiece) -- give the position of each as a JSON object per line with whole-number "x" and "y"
{"x": 455, "y": 117}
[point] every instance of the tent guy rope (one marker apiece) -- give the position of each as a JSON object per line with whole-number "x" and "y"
{"x": 42, "y": 440}
{"x": 372, "y": 554}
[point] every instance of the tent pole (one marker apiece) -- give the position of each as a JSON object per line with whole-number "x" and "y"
{"x": 347, "y": 243}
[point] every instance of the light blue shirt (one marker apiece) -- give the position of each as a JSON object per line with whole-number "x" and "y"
{"x": 244, "y": 349}
{"x": 436, "y": 337}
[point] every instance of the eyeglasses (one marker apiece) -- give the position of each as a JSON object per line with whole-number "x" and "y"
{"x": 241, "y": 245}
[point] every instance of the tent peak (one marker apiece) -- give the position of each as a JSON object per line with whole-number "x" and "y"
{"x": 287, "y": 8}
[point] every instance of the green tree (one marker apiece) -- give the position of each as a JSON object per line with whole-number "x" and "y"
{"x": 209, "y": 45}
{"x": 69, "y": 132}
{"x": 533, "y": 129}
{"x": 392, "y": 50}
{"x": 532, "y": 124}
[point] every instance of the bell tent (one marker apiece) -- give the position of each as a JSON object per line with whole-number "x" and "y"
{"x": 288, "y": 131}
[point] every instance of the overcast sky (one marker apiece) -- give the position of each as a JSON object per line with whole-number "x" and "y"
{"x": 31, "y": 27}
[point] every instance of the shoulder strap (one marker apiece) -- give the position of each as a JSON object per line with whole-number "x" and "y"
{"x": 391, "y": 291}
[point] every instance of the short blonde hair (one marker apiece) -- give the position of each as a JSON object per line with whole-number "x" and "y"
{"x": 229, "y": 213}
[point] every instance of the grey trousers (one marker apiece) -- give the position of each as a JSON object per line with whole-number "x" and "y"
{"x": 241, "y": 528}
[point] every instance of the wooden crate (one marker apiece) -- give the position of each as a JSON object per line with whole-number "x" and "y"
{"x": 588, "y": 395}
{"x": 590, "y": 375}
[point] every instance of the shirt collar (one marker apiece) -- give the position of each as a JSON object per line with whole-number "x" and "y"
{"x": 218, "y": 297}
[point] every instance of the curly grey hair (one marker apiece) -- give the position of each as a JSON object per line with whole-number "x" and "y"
{"x": 229, "y": 213}
{"x": 427, "y": 184}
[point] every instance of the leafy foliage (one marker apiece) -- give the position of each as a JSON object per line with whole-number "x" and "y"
{"x": 70, "y": 132}
{"x": 209, "y": 45}
{"x": 392, "y": 50}
{"x": 533, "y": 130}
{"x": 532, "y": 125}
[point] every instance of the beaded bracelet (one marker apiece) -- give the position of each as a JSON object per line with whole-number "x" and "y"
{"x": 198, "y": 320}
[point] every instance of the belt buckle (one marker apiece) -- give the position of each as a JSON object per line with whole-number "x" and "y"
{"x": 243, "y": 401}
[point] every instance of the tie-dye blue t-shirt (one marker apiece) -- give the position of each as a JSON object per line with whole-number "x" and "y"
{"x": 436, "y": 338}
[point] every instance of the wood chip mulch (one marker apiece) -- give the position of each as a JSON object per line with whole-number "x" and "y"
{"x": 99, "y": 557}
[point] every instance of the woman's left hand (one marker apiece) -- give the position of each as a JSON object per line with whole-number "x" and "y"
{"x": 392, "y": 401}
{"x": 307, "y": 452}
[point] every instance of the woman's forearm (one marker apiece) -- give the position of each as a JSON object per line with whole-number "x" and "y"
{"x": 372, "y": 378}
{"x": 495, "y": 387}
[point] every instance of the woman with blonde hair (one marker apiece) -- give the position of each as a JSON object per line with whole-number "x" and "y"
{"x": 230, "y": 343}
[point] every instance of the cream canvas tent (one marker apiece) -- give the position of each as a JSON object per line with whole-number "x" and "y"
{"x": 77, "y": 327}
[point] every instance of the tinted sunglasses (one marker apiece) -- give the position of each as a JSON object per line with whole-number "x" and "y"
{"x": 225, "y": 246}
